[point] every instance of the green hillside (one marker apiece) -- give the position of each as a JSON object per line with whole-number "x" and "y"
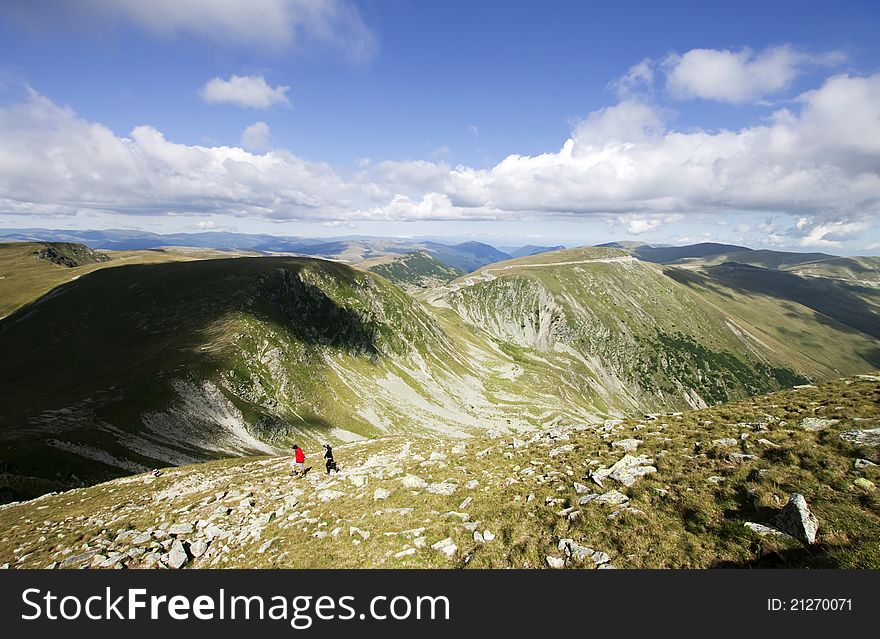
{"x": 413, "y": 271}
{"x": 620, "y": 327}
{"x": 700, "y": 489}
{"x": 122, "y": 369}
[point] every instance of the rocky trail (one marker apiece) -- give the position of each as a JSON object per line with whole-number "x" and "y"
{"x": 787, "y": 477}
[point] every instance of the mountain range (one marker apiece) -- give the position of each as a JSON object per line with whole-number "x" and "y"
{"x": 121, "y": 361}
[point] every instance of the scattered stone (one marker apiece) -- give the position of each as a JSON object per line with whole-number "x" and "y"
{"x": 796, "y": 520}
{"x": 412, "y": 482}
{"x": 580, "y": 553}
{"x": 405, "y": 553}
{"x": 180, "y": 529}
{"x": 555, "y": 562}
{"x": 488, "y": 536}
{"x": 141, "y": 539}
{"x": 330, "y": 495}
{"x": 816, "y": 423}
{"x": 724, "y": 442}
{"x": 478, "y": 537}
{"x": 761, "y": 529}
{"x": 581, "y": 489}
{"x": 446, "y": 546}
{"x": 864, "y": 484}
{"x": 77, "y": 560}
{"x": 611, "y": 498}
{"x": 870, "y": 436}
{"x": 354, "y": 530}
{"x": 381, "y": 493}
{"x": 442, "y": 488}
{"x": 567, "y": 448}
{"x": 213, "y": 531}
{"x": 629, "y": 468}
{"x": 472, "y": 484}
{"x": 176, "y": 557}
{"x": 864, "y": 463}
{"x": 627, "y": 445}
{"x": 461, "y": 516}
{"x": 467, "y": 502}
{"x": 767, "y": 442}
{"x": 198, "y": 548}
{"x": 869, "y": 378}
{"x": 565, "y": 512}
{"x": 740, "y": 457}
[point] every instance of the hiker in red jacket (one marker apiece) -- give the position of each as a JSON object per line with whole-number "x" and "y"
{"x": 299, "y": 458}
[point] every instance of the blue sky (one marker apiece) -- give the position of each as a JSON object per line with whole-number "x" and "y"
{"x": 399, "y": 117}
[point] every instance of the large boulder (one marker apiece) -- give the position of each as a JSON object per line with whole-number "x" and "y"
{"x": 795, "y": 519}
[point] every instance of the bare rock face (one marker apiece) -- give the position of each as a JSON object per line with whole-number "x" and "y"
{"x": 795, "y": 519}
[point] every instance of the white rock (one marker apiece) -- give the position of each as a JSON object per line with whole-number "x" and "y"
{"x": 555, "y": 562}
{"x": 816, "y": 423}
{"x": 465, "y": 503}
{"x": 629, "y": 468}
{"x": 446, "y": 546}
{"x": 412, "y": 482}
{"x": 488, "y": 536}
{"x": 354, "y": 530}
{"x": 869, "y": 436}
{"x": 405, "y": 553}
{"x": 628, "y": 445}
{"x": 478, "y": 537}
{"x": 198, "y": 548}
{"x": 612, "y": 498}
{"x": 180, "y": 529}
{"x": 381, "y": 493}
{"x": 442, "y": 488}
{"x": 796, "y": 520}
{"x": 561, "y": 449}
{"x": 176, "y": 557}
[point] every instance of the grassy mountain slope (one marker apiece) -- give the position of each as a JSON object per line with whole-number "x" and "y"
{"x": 827, "y": 326}
{"x": 618, "y": 327}
{"x": 412, "y": 271}
{"x": 149, "y": 365}
{"x": 501, "y": 501}
{"x": 25, "y": 275}
{"x": 144, "y": 365}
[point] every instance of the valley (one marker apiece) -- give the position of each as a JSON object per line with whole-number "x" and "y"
{"x": 118, "y": 362}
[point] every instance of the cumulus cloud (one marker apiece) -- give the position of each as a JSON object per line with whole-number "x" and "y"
{"x": 275, "y": 23}
{"x": 818, "y": 161}
{"x": 736, "y": 76}
{"x": 245, "y": 90}
{"x": 256, "y": 137}
{"x": 51, "y": 159}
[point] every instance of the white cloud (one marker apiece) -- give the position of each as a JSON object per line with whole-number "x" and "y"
{"x": 819, "y": 160}
{"x": 737, "y": 76}
{"x": 256, "y": 137}
{"x": 51, "y": 158}
{"x": 637, "y": 81}
{"x": 274, "y": 23}
{"x": 245, "y": 90}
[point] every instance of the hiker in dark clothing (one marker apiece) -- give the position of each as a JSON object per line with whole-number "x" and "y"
{"x": 328, "y": 455}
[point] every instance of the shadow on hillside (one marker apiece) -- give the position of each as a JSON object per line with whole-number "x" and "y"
{"x": 816, "y": 556}
{"x": 839, "y": 302}
{"x": 123, "y": 326}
